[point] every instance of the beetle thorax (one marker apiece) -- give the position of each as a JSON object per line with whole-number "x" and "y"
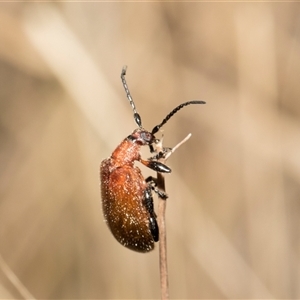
{"x": 129, "y": 150}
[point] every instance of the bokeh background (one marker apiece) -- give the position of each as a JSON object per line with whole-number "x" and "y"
{"x": 234, "y": 194}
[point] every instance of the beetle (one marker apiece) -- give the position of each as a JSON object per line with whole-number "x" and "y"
{"x": 127, "y": 200}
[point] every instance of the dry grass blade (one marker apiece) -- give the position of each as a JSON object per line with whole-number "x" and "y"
{"x": 15, "y": 281}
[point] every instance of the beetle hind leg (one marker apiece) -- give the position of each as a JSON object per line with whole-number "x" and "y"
{"x": 153, "y": 226}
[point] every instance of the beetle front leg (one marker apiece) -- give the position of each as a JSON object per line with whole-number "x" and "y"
{"x": 156, "y": 166}
{"x": 160, "y": 154}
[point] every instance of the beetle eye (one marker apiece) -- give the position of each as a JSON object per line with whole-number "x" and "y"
{"x": 147, "y": 137}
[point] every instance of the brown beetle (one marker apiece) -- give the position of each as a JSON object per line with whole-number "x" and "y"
{"x": 126, "y": 195}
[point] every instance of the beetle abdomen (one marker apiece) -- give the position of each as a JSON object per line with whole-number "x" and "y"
{"x": 123, "y": 207}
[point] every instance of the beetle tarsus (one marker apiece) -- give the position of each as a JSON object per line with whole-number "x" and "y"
{"x": 152, "y": 183}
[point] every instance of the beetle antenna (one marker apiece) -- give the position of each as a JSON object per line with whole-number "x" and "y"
{"x": 173, "y": 112}
{"x": 136, "y": 116}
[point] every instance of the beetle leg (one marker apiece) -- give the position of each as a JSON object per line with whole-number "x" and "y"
{"x": 152, "y": 183}
{"x": 160, "y": 154}
{"x": 152, "y": 150}
{"x": 156, "y": 166}
{"x": 151, "y": 179}
{"x": 148, "y": 202}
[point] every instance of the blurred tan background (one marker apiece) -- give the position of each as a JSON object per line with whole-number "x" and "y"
{"x": 233, "y": 211}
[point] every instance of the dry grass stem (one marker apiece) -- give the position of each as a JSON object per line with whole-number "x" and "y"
{"x": 162, "y": 204}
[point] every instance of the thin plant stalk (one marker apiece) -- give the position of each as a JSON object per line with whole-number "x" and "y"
{"x": 163, "y": 266}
